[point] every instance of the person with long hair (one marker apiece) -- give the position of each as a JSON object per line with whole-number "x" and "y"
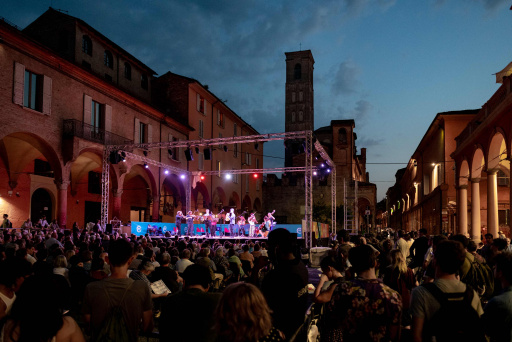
{"x": 401, "y": 279}
{"x": 243, "y": 315}
{"x": 36, "y": 315}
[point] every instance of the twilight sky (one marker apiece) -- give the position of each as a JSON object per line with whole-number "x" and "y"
{"x": 390, "y": 65}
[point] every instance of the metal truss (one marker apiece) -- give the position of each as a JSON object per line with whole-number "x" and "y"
{"x": 307, "y": 169}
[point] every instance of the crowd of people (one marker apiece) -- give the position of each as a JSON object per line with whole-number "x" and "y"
{"x": 77, "y": 285}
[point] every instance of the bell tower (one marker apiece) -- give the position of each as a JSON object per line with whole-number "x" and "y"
{"x": 299, "y": 95}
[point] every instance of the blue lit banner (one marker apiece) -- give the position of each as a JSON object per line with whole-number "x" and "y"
{"x": 160, "y": 228}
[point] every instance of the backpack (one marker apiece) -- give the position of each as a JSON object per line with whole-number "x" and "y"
{"x": 480, "y": 277}
{"x": 114, "y": 325}
{"x": 456, "y": 320}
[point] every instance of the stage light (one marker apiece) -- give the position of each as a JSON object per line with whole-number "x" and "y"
{"x": 202, "y": 177}
{"x": 197, "y": 150}
{"x": 328, "y": 170}
{"x": 315, "y": 173}
{"x": 166, "y": 171}
{"x": 182, "y": 176}
{"x": 188, "y": 154}
{"x": 255, "y": 175}
{"x": 146, "y": 166}
{"x": 322, "y": 165}
{"x": 228, "y": 176}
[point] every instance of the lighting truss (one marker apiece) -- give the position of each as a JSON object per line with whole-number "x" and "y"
{"x": 307, "y": 169}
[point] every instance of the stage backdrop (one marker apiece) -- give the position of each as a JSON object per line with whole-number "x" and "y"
{"x": 160, "y": 228}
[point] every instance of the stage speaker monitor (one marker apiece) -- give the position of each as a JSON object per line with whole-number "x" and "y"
{"x": 188, "y": 154}
{"x": 207, "y": 153}
{"x": 108, "y": 228}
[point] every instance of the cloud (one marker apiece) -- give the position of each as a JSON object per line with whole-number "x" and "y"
{"x": 362, "y": 111}
{"x": 346, "y": 78}
{"x": 370, "y": 142}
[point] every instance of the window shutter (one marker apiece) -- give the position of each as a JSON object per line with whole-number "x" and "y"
{"x": 205, "y": 107}
{"x": 150, "y": 133}
{"x": 198, "y": 103}
{"x": 136, "y": 135}
{"x": 87, "y": 109}
{"x": 47, "y": 95}
{"x": 218, "y": 117}
{"x": 108, "y": 118}
{"x": 19, "y": 83}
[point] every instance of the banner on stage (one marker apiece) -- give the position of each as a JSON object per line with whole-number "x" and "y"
{"x": 160, "y": 228}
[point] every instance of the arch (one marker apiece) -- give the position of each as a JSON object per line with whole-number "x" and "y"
{"x": 497, "y": 151}
{"x": 201, "y": 189}
{"x": 477, "y": 163}
{"x": 19, "y": 149}
{"x": 219, "y": 199}
{"x": 42, "y": 202}
{"x": 464, "y": 173}
{"x": 246, "y": 204}
{"x": 234, "y": 200}
{"x": 87, "y": 45}
{"x": 174, "y": 189}
{"x": 297, "y": 71}
{"x": 146, "y": 174}
{"x": 257, "y": 204}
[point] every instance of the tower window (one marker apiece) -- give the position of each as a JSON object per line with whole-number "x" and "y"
{"x": 342, "y": 136}
{"x": 144, "y": 82}
{"x": 293, "y": 116}
{"x": 298, "y": 71}
{"x": 127, "y": 71}
{"x": 301, "y": 116}
{"x": 87, "y": 45}
{"x": 108, "y": 59}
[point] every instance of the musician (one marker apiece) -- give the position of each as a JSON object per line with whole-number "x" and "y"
{"x": 207, "y": 218}
{"x": 268, "y": 223}
{"x": 231, "y": 218}
{"x": 241, "y": 224}
{"x": 179, "y": 218}
{"x": 272, "y": 219}
{"x": 252, "y": 223}
{"x": 190, "y": 223}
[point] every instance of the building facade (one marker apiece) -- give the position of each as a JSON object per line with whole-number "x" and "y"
{"x": 67, "y": 91}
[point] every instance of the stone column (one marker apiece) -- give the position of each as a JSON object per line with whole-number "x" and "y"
{"x": 116, "y": 210}
{"x": 62, "y": 202}
{"x": 476, "y": 225}
{"x": 156, "y": 209}
{"x": 463, "y": 209}
{"x": 492, "y": 202}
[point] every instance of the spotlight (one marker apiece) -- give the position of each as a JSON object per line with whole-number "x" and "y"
{"x": 202, "y": 177}
{"x": 182, "y": 176}
{"x": 145, "y": 153}
{"x": 166, "y": 171}
{"x": 322, "y": 165}
{"x": 328, "y": 170}
{"x": 146, "y": 166}
{"x": 255, "y": 175}
{"x": 315, "y": 173}
{"x": 228, "y": 176}
{"x": 225, "y": 148}
{"x": 318, "y": 157}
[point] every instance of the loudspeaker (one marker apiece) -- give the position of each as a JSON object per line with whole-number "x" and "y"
{"x": 108, "y": 228}
{"x": 188, "y": 154}
{"x": 114, "y": 157}
{"x": 207, "y": 154}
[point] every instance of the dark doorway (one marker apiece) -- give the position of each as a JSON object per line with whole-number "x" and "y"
{"x": 92, "y": 212}
{"x": 41, "y": 204}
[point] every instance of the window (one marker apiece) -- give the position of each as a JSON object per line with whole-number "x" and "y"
{"x": 33, "y": 91}
{"x": 301, "y": 116}
{"x": 248, "y": 158}
{"x": 144, "y": 82}
{"x": 94, "y": 183}
{"x": 234, "y": 130}
{"x": 257, "y": 185}
{"x": 235, "y": 150}
{"x": 246, "y": 183}
{"x": 503, "y": 217}
{"x": 220, "y": 135}
{"x": 87, "y": 45}
{"x": 127, "y": 71}
{"x": 143, "y": 133}
{"x": 200, "y": 161}
{"x": 257, "y": 163}
{"x": 301, "y": 96}
{"x": 503, "y": 180}
{"x": 108, "y": 59}
{"x": 293, "y": 116}
{"x": 293, "y": 97}
{"x": 201, "y": 129}
{"x": 220, "y": 118}
{"x": 217, "y": 167}
{"x": 201, "y": 105}
{"x": 235, "y": 177}
{"x": 342, "y": 136}
{"x": 297, "y": 71}
{"x": 96, "y": 117}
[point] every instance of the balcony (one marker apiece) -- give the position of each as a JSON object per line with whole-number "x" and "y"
{"x": 79, "y": 129}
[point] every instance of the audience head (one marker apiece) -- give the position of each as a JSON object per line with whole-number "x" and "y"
{"x": 362, "y": 258}
{"x": 197, "y": 276}
{"x": 503, "y": 270}
{"x": 120, "y": 252}
{"x": 280, "y": 244}
{"x": 449, "y": 256}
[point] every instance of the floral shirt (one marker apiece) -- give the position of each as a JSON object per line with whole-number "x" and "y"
{"x": 362, "y": 310}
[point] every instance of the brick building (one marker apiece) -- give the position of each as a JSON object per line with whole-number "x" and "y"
{"x": 66, "y": 91}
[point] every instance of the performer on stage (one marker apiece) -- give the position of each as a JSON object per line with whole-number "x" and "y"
{"x": 268, "y": 224}
{"x": 241, "y": 224}
{"x": 190, "y": 223}
{"x": 271, "y": 219}
{"x": 252, "y": 223}
{"x": 207, "y": 218}
{"x": 231, "y": 218}
{"x": 179, "y": 218}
